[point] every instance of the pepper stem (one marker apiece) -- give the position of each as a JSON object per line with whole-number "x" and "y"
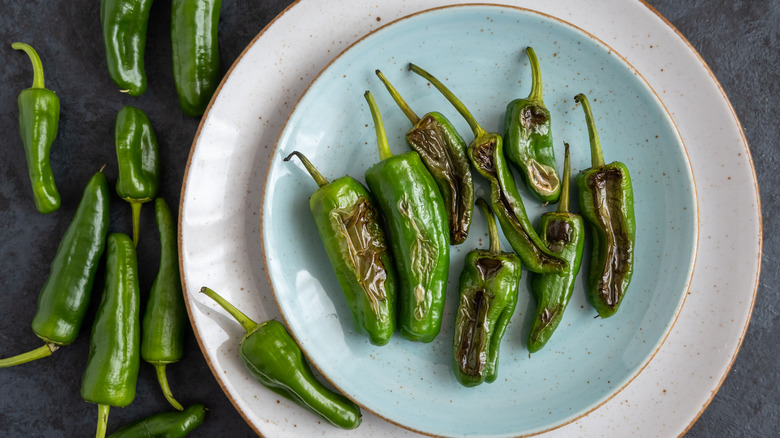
{"x": 36, "y": 63}
{"x": 495, "y": 245}
{"x": 475, "y": 128}
{"x": 381, "y": 137}
{"x": 563, "y": 201}
{"x": 318, "y": 178}
{"x": 596, "y": 157}
{"x": 242, "y": 319}
{"x": 38, "y": 353}
{"x": 102, "y": 424}
{"x": 135, "y": 206}
{"x": 399, "y": 99}
{"x": 536, "y": 78}
{"x": 163, "y": 379}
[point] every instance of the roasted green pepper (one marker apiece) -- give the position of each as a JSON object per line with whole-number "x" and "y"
{"x": 419, "y": 234}
{"x": 529, "y": 140}
{"x": 112, "y": 367}
{"x": 607, "y": 203}
{"x": 165, "y": 317}
{"x": 64, "y": 298}
{"x": 276, "y": 361}
{"x": 443, "y": 151}
{"x": 195, "y": 51}
{"x": 349, "y": 227}
{"x": 487, "y": 155}
{"x": 124, "y": 24}
{"x": 564, "y": 233}
{"x": 165, "y": 425}
{"x": 39, "y": 116}
{"x": 488, "y": 297}
{"x": 138, "y": 159}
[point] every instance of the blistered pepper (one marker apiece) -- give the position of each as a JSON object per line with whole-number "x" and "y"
{"x": 607, "y": 203}
{"x": 124, "y": 24}
{"x": 348, "y": 224}
{"x": 165, "y": 425}
{"x": 419, "y": 234}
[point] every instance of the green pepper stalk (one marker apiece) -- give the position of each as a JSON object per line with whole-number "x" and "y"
{"x": 168, "y": 424}
{"x": 488, "y": 297}
{"x": 419, "y": 233}
{"x": 487, "y": 156}
{"x": 39, "y": 115}
{"x": 64, "y": 297}
{"x": 607, "y": 203}
{"x": 564, "y": 233}
{"x": 443, "y": 151}
{"x": 124, "y": 24}
{"x": 195, "y": 51}
{"x": 165, "y": 318}
{"x": 276, "y": 361}
{"x": 139, "y": 161}
{"x": 114, "y": 357}
{"x": 529, "y": 140}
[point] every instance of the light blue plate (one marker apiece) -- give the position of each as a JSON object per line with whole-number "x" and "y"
{"x": 479, "y": 52}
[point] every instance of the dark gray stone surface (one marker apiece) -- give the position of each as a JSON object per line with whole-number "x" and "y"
{"x": 738, "y": 39}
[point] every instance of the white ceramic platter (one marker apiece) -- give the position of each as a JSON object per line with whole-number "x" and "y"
{"x": 221, "y": 199}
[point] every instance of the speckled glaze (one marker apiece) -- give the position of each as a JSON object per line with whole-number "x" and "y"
{"x": 221, "y": 209}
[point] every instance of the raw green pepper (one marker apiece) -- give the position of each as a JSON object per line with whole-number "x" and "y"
{"x": 64, "y": 298}
{"x": 529, "y": 140}
{"x": 139, "y": 162}
{"x": 443, "y": 151}
{"x": 165, "y": 317}
{"x": 39, "y": 116}
{"x": 488, "y": 297}
{"x": 607, "y": 203}
{"x": 275, "y": 360}
{"x": 564, "y": 233}
{"x": 112, "y": 367}
{"x": 124, "y": 24}
{"x": 195, "y": 51}
{"x": 487, "y": 155}
{"x": 417, "y": 222}
{"x": 348, "y": 225}
{"x": 165, "y": 425}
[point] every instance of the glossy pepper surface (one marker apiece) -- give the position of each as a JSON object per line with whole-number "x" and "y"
{"x": 124, "y": 24}
{"x": 195, "y": 51}
{"x": 487, "y": 156}
{"x": 349, "y": 227}
{"x": 138, "y": 160}
{"x": 529, "y": 139}
{"x": 114, "y": 356}
{"x": 165, "y": 425}
{"x": 417, "y": 222}
{"x": 607, "y": 203}
{"x": 64, "y": 297}
{"x": 39, "y": 116}
{"x": 165, "y": 318}
{"x": 275, "y": 360}
{"x": 443, "y": 151}
{"x": 488, "y": 297}
{"x": 564, "y": 233}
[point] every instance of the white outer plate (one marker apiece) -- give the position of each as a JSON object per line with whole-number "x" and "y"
{"x": 220, "y": 212}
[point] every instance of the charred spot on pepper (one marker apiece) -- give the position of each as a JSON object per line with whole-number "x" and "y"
{"x": 470, "y": 353}
{"x": 543, "y": 177}
{"x": 532, "y": 116}
{"x": 488, "y": 267}
{"x": 558, "y": 234}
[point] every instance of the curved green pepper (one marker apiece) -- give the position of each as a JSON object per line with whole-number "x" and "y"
{"x": 276, "y": 361}
{"x": 124, "y": 24}
{"x": 139, "y": 162}
{"x": 39, "y": 115}
{"x": 112, "y": 367}
{"x": 487, "y": 155}
{"x": 607, "y": 203}
{"x": 564, "y": 233}
{"x": 195, "y": 51}
{"x": 348, "y": 225}
{"x": 529, "y": 142}
{"x": 443, "y": 151}
{"x": 165, "y": 318}
{"x": 417, "y": 222}
{"x": 64, "y": 297}
{"x": 488, "y": 297}
{"x": 165, "y": 425}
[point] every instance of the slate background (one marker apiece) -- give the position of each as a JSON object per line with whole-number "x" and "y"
{"x": 738, "y": 39}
